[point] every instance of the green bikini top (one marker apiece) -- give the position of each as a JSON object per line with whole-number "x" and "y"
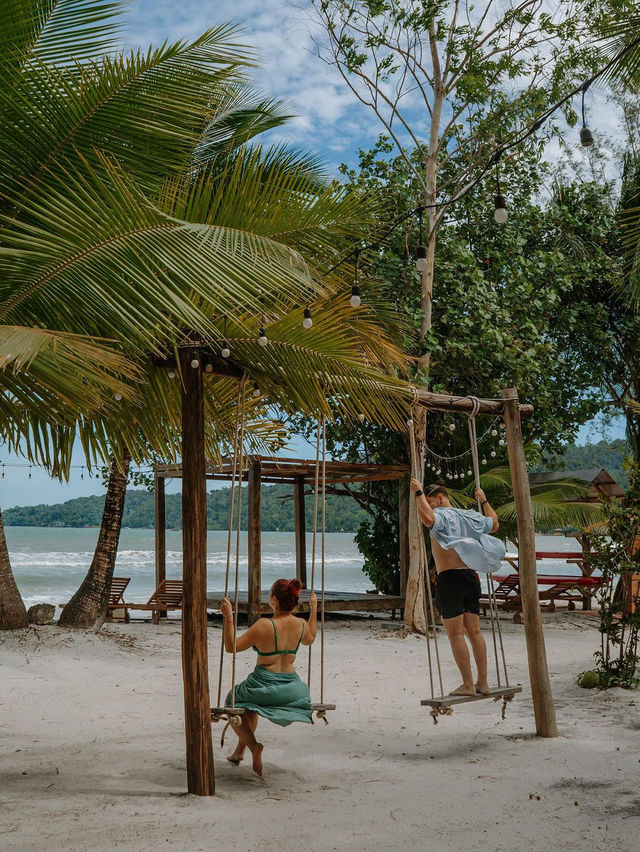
{"x": 275, "y": 639}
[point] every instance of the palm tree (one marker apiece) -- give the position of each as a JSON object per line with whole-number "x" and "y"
{"x": 114, "y": 224}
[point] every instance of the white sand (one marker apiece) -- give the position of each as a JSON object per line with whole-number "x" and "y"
{"x": 92, "y": 753}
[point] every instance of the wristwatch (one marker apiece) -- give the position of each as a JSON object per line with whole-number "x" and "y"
{"x": 484, "y": 502}
{"x": 419, "y": 493}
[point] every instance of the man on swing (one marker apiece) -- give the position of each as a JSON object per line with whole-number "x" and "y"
{"x": 461, "y": 547}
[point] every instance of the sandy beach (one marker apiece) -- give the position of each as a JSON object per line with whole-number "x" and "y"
{"x": 93, "y": 751}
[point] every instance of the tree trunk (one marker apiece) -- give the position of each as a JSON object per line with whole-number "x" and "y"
{"x": 414, "y": 598}
{"x": 88, "y": 607}
{"x": 13, "y": 614}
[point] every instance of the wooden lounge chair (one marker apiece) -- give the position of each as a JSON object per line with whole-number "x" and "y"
{"x": 116, "y": 596}
{"x": 168, "y": 596}
{"x": 560, "y": 587}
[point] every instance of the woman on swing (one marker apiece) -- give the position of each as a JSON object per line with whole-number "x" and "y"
{"x": 273, "y": 689}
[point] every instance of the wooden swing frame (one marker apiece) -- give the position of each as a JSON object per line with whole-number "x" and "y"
{"x": 197, "y": 705}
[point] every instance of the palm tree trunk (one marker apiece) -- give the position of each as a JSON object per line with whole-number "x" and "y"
{"x": 13, "y": 614}
{"x": 88, "y": 607}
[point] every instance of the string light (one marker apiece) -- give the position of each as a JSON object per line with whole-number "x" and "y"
{"x": 307, "y": 322}
{"x": 225, "y": 351}
{"x": 355, "y": 301}
{"x": 195, "y": 362}
{"x": 172, "y": 374}
{"x": 494, "y": 432}
{"x": 208, "y": 367}
{"x": 117, "y": 396}
{"x": 484, "y": 461}
{"x": 262, "y": 334}
{"x": 451, "y": 427}
{"x": 256, "y": 390}
{"x": 586, "y": 136}
{"x": 500, "y": 213}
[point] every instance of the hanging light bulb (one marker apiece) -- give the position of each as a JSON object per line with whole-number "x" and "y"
{"x": 586, "y": 136}
{"x": 117, "y": 396}
{"x": 171, "y": 374}
{"x": 493, "y": 454}
{"x": 225, "y": 351}
{"x": 262, "y": 337}
{"x": 361, "y": 417}
{"x": 438, "y": 471}
{"x": 455, "y": 475}
{"x": 494, "y": 432}
{"x": 256, "y": 390}
{"x": 501, "y": 442}
{"x": 208, "y": 367}
{"x": 307, "y": 322}
{"x": 451, "y": 427}
{"x": 484, "y": 461}
{"x": 421, "y": 259}
{"x": 469, "y": 473}
{"x": 355, "y": 301}
{"x": 195, "y": 361}
{"x": 500, "y": 213}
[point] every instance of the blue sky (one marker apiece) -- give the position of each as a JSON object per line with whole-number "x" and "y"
{"x": 328, "y": 120}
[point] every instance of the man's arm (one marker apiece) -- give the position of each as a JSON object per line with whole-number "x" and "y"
{"x": 487, "y": 509}
{"x": 425, "y": 512}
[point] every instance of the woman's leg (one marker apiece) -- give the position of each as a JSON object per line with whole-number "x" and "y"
{"x": 247, "y": 738}
{"x": 238, "y": 753}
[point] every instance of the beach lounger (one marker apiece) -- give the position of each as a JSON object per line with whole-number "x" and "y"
{"x": 168, "y": 596}
{"x": 116, "y": 596}
{"x": 560, "y": 587}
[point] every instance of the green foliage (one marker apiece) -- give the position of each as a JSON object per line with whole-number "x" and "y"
{"x": 617, "y": 556}
{"x": 605, "y": 454}
{"x": 342, "y": 514}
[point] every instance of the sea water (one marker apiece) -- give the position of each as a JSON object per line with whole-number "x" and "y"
{"x": 49, "y": 563}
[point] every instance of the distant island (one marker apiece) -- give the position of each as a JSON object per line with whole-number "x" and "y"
{"x": 343, "y": 513}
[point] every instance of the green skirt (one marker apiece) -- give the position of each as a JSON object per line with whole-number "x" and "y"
{"x": 280, "y": 697}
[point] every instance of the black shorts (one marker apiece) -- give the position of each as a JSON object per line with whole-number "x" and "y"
{"x": 458, "y": 591}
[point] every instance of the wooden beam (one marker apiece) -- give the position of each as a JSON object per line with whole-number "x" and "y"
{"x": 197, "y": 704}
{"x": 300, "y": 529}
{"x": 445, "y": 402}
{"x": 254, "y": 539}
{"x": 161, "y": 533}
{"x": 541, "y": 694}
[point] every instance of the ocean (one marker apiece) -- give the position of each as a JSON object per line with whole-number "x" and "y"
{"x": 50, "y": 563}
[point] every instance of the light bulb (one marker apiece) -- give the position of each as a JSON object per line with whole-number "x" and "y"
{"x": 468, "y": 473}
{"x": 421, "y": 259}
{"x": 361, "y": 418}
{"x": 586, "y": 137}
{"x": 438, "y": 472}
{"x": 484, "y": 461}
{"x": 195, "y": 363}
{"x": 501, "y": 442}
{"x": 208, "y": 368}
{"x": 452, "y": 427}
{"x": 307, "y": 322}
{"x": 262, "y": 339}
{"x": 172, "y": 374}
{"x": 256, "y": 390}
{"x": 493, "y": 454}
{"x": 500, "y": 214}
{"x": 117, "y": 397}
{"x": 355, "y": 301}
{"x": 225, "y": 351}
{"x": 494, "y": 432}
{"x": 455, "y": 475}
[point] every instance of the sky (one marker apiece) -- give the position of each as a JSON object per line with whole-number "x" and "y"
{"x": 328, "y": 120}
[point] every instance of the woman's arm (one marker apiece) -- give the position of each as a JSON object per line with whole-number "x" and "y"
{"x": 248, "y": 638}
{"x": 309, "y": 635}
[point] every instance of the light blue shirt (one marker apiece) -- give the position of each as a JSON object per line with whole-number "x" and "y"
{"x": 467, "y": 532}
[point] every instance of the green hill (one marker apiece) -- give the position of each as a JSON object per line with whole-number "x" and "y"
{"x": 343, "y": 514}
{"x": 607, "y": 454}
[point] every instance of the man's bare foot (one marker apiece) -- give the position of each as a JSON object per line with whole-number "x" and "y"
{"x": 236, "y": 757}
{"x": 464, "y": 689}
{"x": 256, "y": 753}
{"x": 483, "y": 687}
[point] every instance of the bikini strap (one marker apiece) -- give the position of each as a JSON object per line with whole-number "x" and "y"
{"x": 275, "y": 634}
{"x": 304, "y": 624}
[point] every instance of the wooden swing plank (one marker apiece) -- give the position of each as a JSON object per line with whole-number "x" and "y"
{"x": 452, "y": 700}
{"x": 234, "y": 711}
{"x": 322, "y": 707}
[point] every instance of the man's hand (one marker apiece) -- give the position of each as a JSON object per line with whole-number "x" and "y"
{"x": 226, "y": 609}
{"x": 480, "y": 495}
{"x": 415, "y": 484}
{"x": 313, "y": 601}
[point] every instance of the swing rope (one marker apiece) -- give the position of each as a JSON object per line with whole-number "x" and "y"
{"x": 424, "y": 574}
{"x": 314, "y": 536}
{"x": 237, "y": 553}
{"x": 232, "y": 496}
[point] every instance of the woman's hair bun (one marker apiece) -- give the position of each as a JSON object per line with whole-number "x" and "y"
{"x": 287, "y": 593}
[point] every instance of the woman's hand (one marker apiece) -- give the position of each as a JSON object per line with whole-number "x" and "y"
{"x": 415, "y": 484}
{"x": 226, "y": 610}
{"x": 313, "y": 602}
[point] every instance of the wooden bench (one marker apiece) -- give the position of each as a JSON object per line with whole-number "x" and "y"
{"x": 168, "y": 596}
{"x": 116, "y": 596}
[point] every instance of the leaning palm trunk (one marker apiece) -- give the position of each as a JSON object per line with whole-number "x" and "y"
{"x": 13, "y": 614}
{"x": 88, "y": 607}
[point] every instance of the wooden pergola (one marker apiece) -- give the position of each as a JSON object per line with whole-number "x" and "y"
{"x": 195, "y": 665}
{"x": 301, "y": 474}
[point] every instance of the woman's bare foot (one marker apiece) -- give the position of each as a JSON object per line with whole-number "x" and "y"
{"x": 464, "y": 689}
{"x": 256, "y": 753}
{"x": 483, "y": 687}
{"x": 236, "y": 757}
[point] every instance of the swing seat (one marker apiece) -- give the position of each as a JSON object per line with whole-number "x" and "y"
{"x": 219, "y": 713}
{"x": 445, "y": 701}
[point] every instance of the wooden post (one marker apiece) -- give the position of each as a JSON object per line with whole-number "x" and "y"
{"x": 403, "y": 534}
{"x": 161, "y": 534}
{"x": 543, "y": 708}
{"x": 254, "y": 542}
{"x": 197, "y": 705}
{"x": 301, "y": 530}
